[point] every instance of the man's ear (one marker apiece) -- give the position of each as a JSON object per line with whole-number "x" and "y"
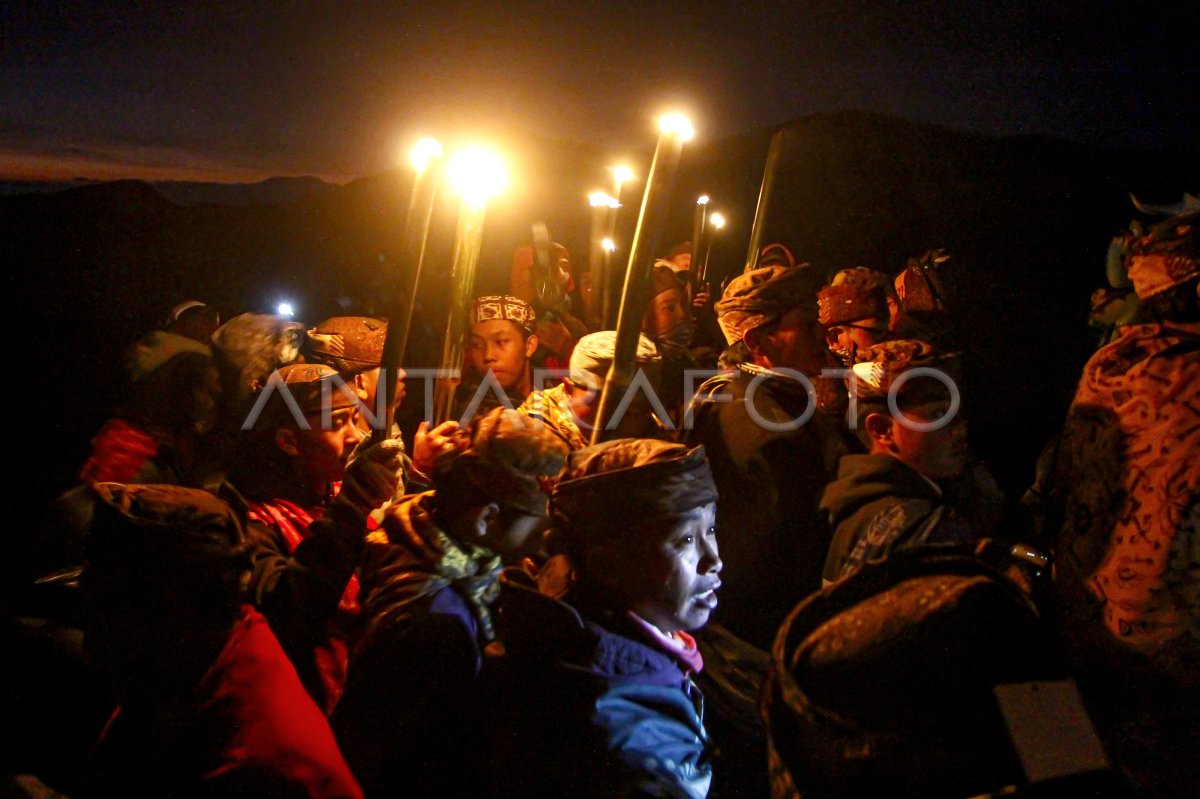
{"x": 879, "y": 428}
{"x": 287, "y": 440}
{"x": 753, "y": 339}
{"x": 531, "y": 345}
{"x": 483, "y": 517}
{"x": 360, "y": 386}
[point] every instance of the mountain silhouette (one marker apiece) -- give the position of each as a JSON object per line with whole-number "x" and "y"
{"x": 1027, "y": 221}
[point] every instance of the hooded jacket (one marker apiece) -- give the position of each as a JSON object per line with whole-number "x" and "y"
{"x": 879, "y": 504}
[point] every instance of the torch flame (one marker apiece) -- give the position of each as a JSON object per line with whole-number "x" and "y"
{"x": 599, "y": 199}
{"x": 621, "y": 174}
{"x": 678, "y": 125}
{"x": 477, "y": 175}
{"x": 426, "y": 150}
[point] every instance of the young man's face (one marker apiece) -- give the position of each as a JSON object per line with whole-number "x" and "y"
{"x": 668, "y": 572}
{"x": 855, "y": 336}
{"x": 795, "y": 343}
{"x": 938, "y": 454}
{"x": 322, "y": 453}
{"x": 667, "y": 308}
{"x": 498, "y": 345}
{"x": 366, "y": 384}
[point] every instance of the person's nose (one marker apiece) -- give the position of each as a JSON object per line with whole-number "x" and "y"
{"x": 710, "y": 559}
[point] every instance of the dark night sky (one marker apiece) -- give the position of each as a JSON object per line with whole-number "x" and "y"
{"x": 201, "y": 90}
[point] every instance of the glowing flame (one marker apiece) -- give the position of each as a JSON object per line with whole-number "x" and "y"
{"x": 285, "y": 310}
{"x": 599, "y": 199}
{"x": 425, "y": 151}
{"x": 702, "y": 199}
{"x": 676, "y": 124}
{"x": 621, "y": 174}
{"x": 717, "y": 220}
{"x": 477, "y": 175}
{"x": 608, "y": 245}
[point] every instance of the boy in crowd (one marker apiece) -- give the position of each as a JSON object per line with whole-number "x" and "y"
{"x": 429, "y": 581}
{"x": 353, "y": 345}
{"x": 601, "y": 678}
{"x": 500, "y": 343}
{"x": 306, "y": 542}
{"x": 890, "y": 498}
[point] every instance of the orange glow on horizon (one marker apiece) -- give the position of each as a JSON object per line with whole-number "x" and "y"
{"x": 51, "y": 168}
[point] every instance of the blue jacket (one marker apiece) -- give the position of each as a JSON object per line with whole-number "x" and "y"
{"x": 582, "y": 709}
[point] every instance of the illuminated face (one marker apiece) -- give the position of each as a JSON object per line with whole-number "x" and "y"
{"x": 322, "y": 453}
{"x": 668, "y": 571}
{"x": 498, "y": 345}
{"x": 853, "y": 337}
{"x": 938, "y": 454}
{"x": 795, "y": 343}
{"x": 366, "y": 384}
{"x": 666, "y": 309}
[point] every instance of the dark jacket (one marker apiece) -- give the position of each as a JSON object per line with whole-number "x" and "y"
{"x": 409, "y": 719}
{"x": 879, "y": 504}
{"x": 582, "y": 710}
{"x": 773, "y": 536}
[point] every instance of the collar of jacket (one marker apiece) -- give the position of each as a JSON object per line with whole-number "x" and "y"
{"x": 863, "y": 479}
{"x": 538, "y": 627}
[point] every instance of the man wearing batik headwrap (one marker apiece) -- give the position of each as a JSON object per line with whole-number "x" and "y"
{"x": 569, "y": 409}
{"x": 594, "y": 694}
{"x": 1126, "y": 482}
{"x": 854, "y": 311}
{"x": 892, "y": 498}
{"x": 772, "y": 450}
{"x": 430, "y": 577}
{"x": 353, "y": 345}
{"x": 500, "y": 342}
{"x": 306, "y": 542}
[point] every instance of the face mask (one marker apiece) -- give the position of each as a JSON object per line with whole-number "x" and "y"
{"x": 843, "y": 356}
{"x": 677, "y": 337}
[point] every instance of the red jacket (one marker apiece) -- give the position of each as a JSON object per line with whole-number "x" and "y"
{"x": 250, "y": 729}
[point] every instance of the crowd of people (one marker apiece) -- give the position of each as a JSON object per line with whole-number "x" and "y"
{"x": 779, "y": 570}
